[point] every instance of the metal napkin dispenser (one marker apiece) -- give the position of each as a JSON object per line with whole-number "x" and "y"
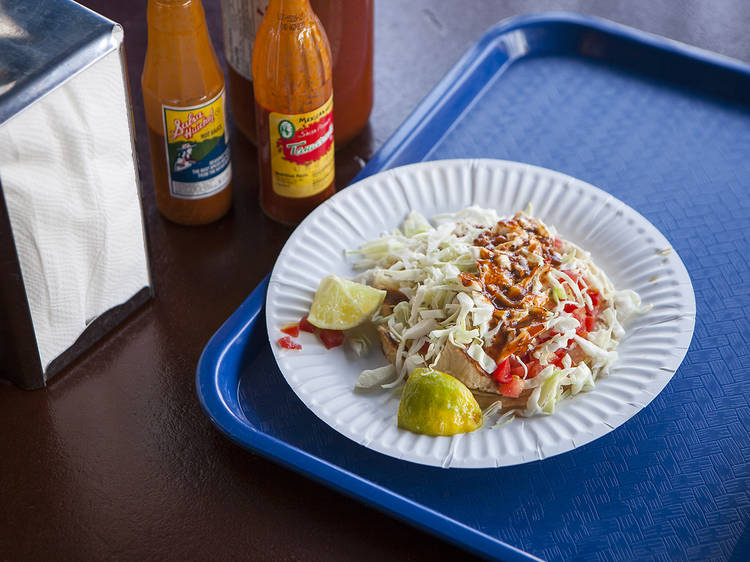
{"x": 73, "y": 257}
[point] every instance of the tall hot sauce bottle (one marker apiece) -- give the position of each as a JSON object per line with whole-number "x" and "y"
{"x": 183, "y": 94}
{"x": 349, "y": 27}
{"x": 294, "y": 111}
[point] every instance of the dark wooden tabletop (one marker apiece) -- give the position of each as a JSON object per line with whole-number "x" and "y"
{"x": 115, "y": 458}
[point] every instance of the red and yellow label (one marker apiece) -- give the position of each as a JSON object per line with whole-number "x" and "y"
{"x": 302, "y": 151}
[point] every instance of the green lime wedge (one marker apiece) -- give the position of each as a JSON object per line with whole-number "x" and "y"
{"x": 435, "y": 403}
{"x": 340, "y": 304}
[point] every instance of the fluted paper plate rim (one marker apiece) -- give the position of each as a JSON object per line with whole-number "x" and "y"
{"x": 627, "y": 246}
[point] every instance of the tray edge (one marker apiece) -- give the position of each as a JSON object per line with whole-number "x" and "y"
{"x": 333, "y": 476}
{"x": 385, "y": 156}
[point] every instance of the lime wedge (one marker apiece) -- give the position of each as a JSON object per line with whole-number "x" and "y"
{"x": 340, "y": 304}
{"x": 435, "y": 403}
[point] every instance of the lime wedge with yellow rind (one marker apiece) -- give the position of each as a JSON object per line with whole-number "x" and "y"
{"x": 435, "y": 403}
{"x": 340, "y": 304}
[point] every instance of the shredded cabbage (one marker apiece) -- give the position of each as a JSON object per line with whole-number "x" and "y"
{"x": 375, "y": 377}
{"x": 359, "y": 341}
{"x": 415, "y": 224}
{"x": 425, "y": 261}
{"x": 476, "y": 352}
{"x": 550, "y": 391}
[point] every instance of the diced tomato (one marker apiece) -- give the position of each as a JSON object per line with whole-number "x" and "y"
{"x": 559, "y": 354}
{"x": 292, "y": 330}
{"x": 502, "y": 373}
{"x": 576, "y": 354}
{"x": 595, "y": 299}
{"x": 512, "y": 388}
{"x": 534, "y": 368}
{"x": 331, "y": 338}
{"x": 305, "y": 326}
{"x": 288, "y": 343}
{"x": 590, "y": 319}
{"x": 573, "y": 276}
{"x": 589, "y": 322}
{"x": 581, "y": 315}
{"x": 570, "y": 307}
{"x": 516, "y": 368}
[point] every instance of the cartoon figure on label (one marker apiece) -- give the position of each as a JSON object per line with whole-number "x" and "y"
{"x": 183, "y": 160}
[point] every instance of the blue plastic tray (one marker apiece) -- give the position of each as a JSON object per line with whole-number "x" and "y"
{"x": 663, "y": 127}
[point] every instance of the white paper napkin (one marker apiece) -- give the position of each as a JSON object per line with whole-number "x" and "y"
{"x": 68, "y": 175}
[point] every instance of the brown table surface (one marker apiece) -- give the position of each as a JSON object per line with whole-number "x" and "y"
{"x": 115, "y": 458}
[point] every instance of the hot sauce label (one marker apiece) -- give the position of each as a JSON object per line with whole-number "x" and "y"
{"x": 197, "y": 149}
{"x": 302, "y": 151}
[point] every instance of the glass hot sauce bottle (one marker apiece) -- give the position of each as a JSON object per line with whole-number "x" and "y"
{"x": 293, "y": 90}
{"x": 183, "y": 95}
{"x": 349, "y": 27}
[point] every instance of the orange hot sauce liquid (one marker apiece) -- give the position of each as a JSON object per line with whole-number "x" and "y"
{"x": 180, "y": 70}
{"x": 292, "y": 75}
{"x": 349, "y": 29}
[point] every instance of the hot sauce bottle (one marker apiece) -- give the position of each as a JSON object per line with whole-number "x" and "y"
{"x": 183, "y": 94}
{"x": 349, "y": 27}
{"x": 240, "y": 22}
{"x": 294, "y": 111}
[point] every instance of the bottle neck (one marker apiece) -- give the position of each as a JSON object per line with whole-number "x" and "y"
{"x": 281, "y": 8}
{"x": 177, "y": 17}
{"x": 181, "y": 65}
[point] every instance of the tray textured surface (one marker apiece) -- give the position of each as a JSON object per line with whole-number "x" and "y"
{"x": 671, "y": 483}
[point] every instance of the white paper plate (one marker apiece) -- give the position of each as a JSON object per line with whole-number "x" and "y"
{"x": 631, "y": 251}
